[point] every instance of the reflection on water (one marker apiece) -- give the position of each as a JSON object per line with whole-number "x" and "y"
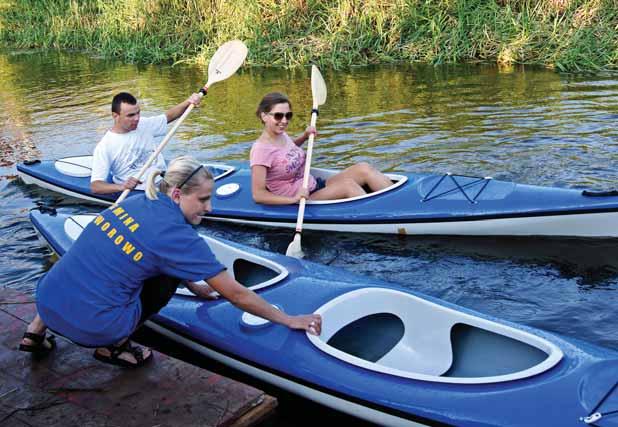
{"x": 516, "y": 124}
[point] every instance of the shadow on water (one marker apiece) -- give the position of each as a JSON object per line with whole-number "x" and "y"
{"x": 591, "y": 262}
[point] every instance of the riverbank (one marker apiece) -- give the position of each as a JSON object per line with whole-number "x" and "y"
{"x": 568, "y": 35}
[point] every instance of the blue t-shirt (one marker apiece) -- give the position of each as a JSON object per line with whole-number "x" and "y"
{"x": 92, "y": 294}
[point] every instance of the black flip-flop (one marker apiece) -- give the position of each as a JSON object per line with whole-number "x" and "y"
{"x": 116, "y": 350}
{"x": 38, "y": 348}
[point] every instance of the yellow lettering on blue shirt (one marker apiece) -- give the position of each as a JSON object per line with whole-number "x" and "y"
{"x": 113, "y": 234}
{"x": 126, "y": 219}
{"x": 128, "y": 248}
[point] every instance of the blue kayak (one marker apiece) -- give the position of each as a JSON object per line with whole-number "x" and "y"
{"x": 417, "y": 204}
{"x": 386, "y": 354}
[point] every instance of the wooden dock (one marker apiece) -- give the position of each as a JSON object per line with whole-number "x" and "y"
{"x": 71, "y": 388}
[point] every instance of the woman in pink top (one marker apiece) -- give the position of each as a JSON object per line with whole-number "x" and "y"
{"x": 278, "y": 163}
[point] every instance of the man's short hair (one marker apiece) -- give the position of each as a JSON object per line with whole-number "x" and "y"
{"x": 125, "y": 97}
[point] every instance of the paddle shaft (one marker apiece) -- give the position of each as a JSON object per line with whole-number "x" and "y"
{"x": 301, "y": 206}
{"x": 162, "y": 145}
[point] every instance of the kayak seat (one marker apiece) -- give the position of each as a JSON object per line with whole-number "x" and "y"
{"x": 406, "y": 336}
{"x": 426, "y": 346}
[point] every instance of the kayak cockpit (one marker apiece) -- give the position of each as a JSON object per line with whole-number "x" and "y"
{"x": 81, "y": 167}
{"x": 324, "y": 174}
{"x": 250, "y": 270}
{"x": 397, "y": 333}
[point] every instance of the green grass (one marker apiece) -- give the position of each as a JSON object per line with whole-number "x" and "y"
{"x": 569, "y": 35}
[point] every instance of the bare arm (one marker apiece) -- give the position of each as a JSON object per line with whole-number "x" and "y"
{"x": 176, "y": 111}
{"x": 260, "y": 192}
{"x": 247, "y": 300}
{"x": 102, "y": 187}
{"x": 300, "y": 140}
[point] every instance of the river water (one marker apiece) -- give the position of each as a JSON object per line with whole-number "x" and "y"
{"x": 518, "y": 124}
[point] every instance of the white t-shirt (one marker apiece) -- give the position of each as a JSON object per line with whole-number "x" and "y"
{"x": 124, "y": 154}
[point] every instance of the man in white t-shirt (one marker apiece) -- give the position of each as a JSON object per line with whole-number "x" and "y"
{"x": 128, "y": 145}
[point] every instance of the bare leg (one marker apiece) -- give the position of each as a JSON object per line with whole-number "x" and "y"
{"x": 365, "y": 174}
{"x": 338, "y": 187}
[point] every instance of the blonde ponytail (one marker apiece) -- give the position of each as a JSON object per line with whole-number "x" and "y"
{"x": 151, "y": 186}
{"x": 183, "y": 171}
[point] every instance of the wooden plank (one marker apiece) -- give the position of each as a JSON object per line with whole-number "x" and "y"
{"x": 261, "y": 410}
{"x": 70, "y": 387}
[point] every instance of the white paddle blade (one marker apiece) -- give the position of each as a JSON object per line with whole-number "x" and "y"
{"x": 294, "y": 248}
{"x": 318, "y": 87}
{"x": 226, "y": 60}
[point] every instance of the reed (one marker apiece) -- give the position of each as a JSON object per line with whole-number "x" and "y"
{"x": 570, "y": 35}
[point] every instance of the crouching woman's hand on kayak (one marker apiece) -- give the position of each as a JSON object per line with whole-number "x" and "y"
{"x": 311, "y": 323}
{"x": 249, "y": 301}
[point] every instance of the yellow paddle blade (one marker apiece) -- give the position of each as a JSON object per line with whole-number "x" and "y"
{"x": 318, "y": 87}
{"x": 226, "y": 60}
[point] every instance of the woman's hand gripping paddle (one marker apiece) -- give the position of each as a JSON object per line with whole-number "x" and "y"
{"x": 226, "y": 60}
{"x": 318, "y": 91}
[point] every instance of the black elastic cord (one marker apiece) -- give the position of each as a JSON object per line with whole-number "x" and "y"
{"x": 315, "y": 110}
{"x": 74, "y": 164}
{"x": 43, "y": 208}
{"x": 458, "y": 187}
{"x": 203, "y": 91}
{"x": 598, "y": 405}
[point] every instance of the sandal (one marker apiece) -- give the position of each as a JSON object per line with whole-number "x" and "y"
{"x": 38, "y": 347}
{"x": 116, "y": 350}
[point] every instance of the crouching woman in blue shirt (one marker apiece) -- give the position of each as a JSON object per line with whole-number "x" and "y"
{"x": 127, "y": 264}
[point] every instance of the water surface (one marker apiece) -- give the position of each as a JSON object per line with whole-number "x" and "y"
{"x": 519, "y": 124}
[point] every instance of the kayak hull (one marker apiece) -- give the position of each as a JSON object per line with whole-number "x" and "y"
{"x": 416, "y": 204}
{"x": 492, "y": 373}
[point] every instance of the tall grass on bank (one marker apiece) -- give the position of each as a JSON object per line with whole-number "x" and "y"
{"x": 569, "y": 35}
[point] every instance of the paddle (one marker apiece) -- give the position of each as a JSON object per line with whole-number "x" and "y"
{"x": 318, "y": 91}
{"x": 226, "y": 60}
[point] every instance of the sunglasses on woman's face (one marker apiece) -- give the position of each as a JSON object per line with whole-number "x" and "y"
{"x": 279, "y": 116}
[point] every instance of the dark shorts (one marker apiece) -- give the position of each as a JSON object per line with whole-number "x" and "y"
{"x": 319, "y": 184}
{"x": 156, "y": 293}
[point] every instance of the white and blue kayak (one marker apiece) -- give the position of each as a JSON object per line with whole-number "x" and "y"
{"x": 414, "y": 204}
{"x": 386, "y": 354}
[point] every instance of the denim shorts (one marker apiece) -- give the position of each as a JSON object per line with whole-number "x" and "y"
{"x": 319, "y": 184}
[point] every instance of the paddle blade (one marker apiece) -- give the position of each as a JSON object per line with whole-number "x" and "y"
{"x": 294, "y": 249}
{"x": 226, "y": 60}
{"x": 318, "y": 87}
